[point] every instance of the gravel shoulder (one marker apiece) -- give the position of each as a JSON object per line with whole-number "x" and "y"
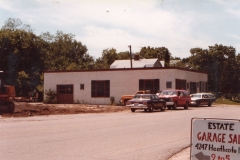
{"x": 25, "y": 109}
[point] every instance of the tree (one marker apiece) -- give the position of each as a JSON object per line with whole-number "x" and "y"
{"x": 123, "y": 55}
{"x": 161, "y": 53}
{"x": 20, "y": 55}
{"x": 12, "y": 24}
{"x": 221, "y": 65}
{"x": 65, "y": 53}
{"x": 108, "y": 57}
{"x": 183, "y": 63}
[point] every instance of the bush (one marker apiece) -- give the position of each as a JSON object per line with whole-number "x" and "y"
{"x": 51, "y": 96}
{"x": 112, "y": 100}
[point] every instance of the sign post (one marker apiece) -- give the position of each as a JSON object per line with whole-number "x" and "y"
{"x": 215, "y": 139}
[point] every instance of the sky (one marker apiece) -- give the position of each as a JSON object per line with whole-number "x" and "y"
{"x": 178, "y": 25}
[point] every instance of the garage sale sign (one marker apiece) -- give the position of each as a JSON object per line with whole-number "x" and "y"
{"x": 215, "y": 139}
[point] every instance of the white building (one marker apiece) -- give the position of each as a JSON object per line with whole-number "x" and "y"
{"x": 97, "y": 86}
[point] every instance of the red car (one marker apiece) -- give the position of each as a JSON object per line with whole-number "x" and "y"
{"x": 175, "y": 98}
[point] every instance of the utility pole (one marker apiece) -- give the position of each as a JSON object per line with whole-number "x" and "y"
{"x": 130, "y": 55}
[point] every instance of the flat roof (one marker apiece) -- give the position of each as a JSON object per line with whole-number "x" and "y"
{"x": 127, "y": 69}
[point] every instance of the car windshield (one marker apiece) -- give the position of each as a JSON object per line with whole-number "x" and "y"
{"x": 196, "y": 95}
{"x": 168, "y": 93}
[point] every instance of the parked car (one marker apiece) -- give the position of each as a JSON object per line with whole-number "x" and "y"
{"x": 125, "y": 98}
{"x": 146, "y": 102}
{"x": 198, "y": 99}
{"x": 175, "y": 98}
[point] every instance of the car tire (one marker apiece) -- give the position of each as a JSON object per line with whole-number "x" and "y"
{"x": 209, "y": 104}
{"x": 186, "y": 105}
{"x": 163, "y": 108}
{"x": 169, "y": 107}
{"x": 150, "y": 109}
{"x": 125, "y": 102}
{"x": 197, "y": 104}
{"x": 174, "y": 106}
{"x": 133, "y": 110}
{"x": 145, "y": 110}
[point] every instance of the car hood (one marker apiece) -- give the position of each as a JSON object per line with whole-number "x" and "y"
{"x": 195, "y": 98}
{"x": 167, "y": 96}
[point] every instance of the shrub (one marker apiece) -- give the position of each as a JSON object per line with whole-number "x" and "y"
{"x": 112, "y": 100}
{"x": 51, "y": 96}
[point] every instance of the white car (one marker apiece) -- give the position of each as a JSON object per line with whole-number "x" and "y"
{"x": 198, "y": 99}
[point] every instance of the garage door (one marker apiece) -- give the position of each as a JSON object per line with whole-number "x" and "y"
{"x": 65, "y": 94}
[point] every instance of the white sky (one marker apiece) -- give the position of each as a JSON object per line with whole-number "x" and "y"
{"x": 178, "y": 25}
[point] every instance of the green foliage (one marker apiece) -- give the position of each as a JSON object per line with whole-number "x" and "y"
{"x": 51, "y": 96}
{"x": 24, "y": 56}
{"x": 123, "y": 55}
{"x": 22, "y": 82}
{"x": 184, "y": 63}
{"x": 221, "y": 64}
{"x": 161, "y": 53}
{"x": 12, "y": 24}
{"x": 40, "y": 88}
{"x": 20, "y": 56}
{"x": 108, "y": 57}
{"x": 65, "y": 53}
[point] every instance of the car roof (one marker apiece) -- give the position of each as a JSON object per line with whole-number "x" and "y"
{"x": 146, "y": 94}
{"x": 174, "y": 90}
{"x": 200, "y": 93}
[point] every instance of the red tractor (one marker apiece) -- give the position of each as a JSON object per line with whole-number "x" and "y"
{"x": 7, "y": 95}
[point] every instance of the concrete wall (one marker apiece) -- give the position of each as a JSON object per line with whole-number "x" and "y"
{"x": 122, "y": 81}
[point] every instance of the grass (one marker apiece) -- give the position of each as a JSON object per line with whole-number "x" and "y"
{"x": 227, "y": 101}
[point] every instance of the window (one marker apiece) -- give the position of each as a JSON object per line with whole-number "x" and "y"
{"x": 193, "y": 87}
{"x": 81, "y": 86}
{"x": 65, "y": 89}
{"x": 205, "y": 96}
{"x": 147, "y": 96}
{"x": 149, "y": 84}
{"x": 169, "y": 84}
{"x": 100, "y": 88}
{"x": 181, "y": 84}
{"x": 185, "y": 93}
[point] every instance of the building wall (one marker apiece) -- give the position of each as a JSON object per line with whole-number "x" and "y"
{"x": 122, "y": 81}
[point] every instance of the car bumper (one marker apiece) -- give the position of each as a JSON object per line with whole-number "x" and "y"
{"x": 193, "y": 103}
{"x": 139, "y": 106}
{"x": 169, "y": 103}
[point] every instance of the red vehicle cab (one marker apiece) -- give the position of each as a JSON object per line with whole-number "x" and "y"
{"x": 176, "y": 98}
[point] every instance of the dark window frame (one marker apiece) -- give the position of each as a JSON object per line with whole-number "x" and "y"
{"x": 181, "y": 84}
{"x": 64, "y": 89}
{"x": 149, "y": 84}
{"x": 193, "y": 87}
{"x": 81, "y": 86}
{"x": 100, "y": 88}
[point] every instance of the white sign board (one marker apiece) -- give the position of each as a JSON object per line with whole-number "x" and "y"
{"x": 215, "y": 139}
